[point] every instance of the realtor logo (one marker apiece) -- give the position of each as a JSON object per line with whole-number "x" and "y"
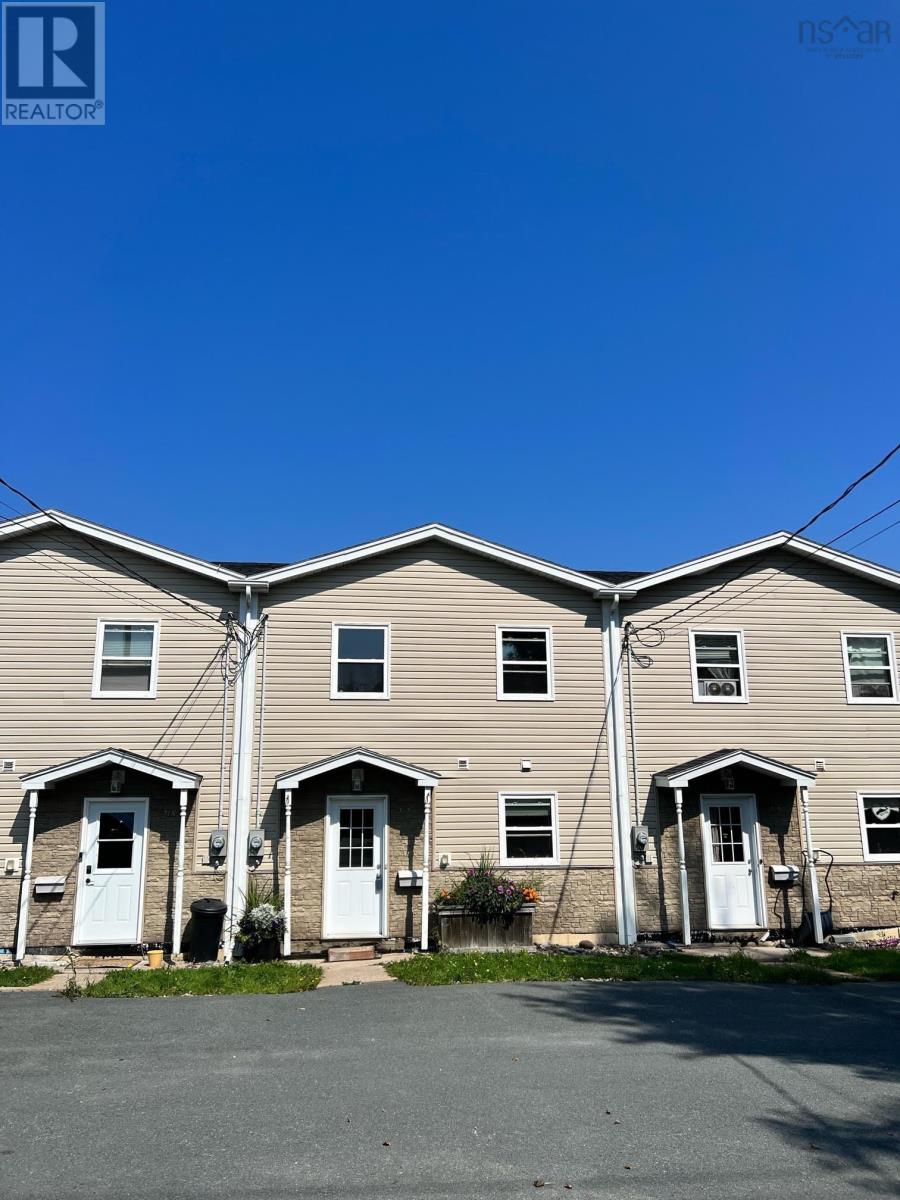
{"x": 53, "y": 64}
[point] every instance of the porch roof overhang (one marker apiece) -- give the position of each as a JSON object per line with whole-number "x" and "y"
{"x": 683, "y": 774}
{"x": 348, "y": 758}
{"x": 38, "y": 781}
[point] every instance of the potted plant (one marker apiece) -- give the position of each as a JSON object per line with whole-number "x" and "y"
{"x": 486, "y": 910}
{"x": 261, "y": 928}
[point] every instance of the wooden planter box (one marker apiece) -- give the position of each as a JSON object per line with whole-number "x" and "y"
{"x": 459, "y": 930}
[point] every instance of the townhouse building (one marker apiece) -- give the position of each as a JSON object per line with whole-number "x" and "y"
{"x": 359, "y": 727}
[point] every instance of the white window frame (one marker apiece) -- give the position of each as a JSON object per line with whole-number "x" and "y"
{"x": 699, "y": 698}
{"x": 540, "y": 697}
{"x": 862, "y": 796}
{"x": 505, "y": 860}
{"x": 104, "y": 694}
{"x": 892, "y": 666}
{"x": 385, "y": 627}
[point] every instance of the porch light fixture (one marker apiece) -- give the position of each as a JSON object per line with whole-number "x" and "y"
{"x": 357, "y": 775}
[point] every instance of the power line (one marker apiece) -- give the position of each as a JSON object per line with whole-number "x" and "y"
{"x": 95, "y": 581}
{"x": 796, "y": 533}
{"x": 810, "y": 554}
{"x": 112, "y": 558}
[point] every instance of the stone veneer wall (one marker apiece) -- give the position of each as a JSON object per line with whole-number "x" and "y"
{"x": 867, "y": 894}
{"x": 56, "y": 842}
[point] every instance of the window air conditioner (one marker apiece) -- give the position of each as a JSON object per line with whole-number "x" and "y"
{"x": 718, "y": 687}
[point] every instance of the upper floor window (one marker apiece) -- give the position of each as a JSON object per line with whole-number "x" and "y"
{"x": 524, "y": 662}
{"x": 360, "y": 662}
{"x": 126, "y": 657}
{"x": 869, "y": 668}
{"x": 880, "y": 819}
{"x": 528, "y": 829}
{"x": 717, "y": 662}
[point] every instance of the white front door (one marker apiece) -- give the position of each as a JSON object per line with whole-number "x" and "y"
{"x": 111, "y": 873}
{"x": 354, "y": 867}
{"x": 731, "y": 860}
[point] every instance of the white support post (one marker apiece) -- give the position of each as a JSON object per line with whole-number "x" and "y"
{"x": 178, "y": 903}
{"x": 288, "y": 797}
{"x": 426, "y": 855}
{"x": 818, "y": 936}
{"x": 25, "y": 894}
{"x": 682, "y": 871}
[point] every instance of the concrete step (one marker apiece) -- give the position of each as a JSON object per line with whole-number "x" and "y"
{"x": 350, "y": 953}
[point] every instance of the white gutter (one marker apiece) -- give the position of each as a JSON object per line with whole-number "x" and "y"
{"x": 426, "y": 855}
{"x": 241, "y": 776}
{"x": 626, "y": 914}
{"x": 25, "y": 893}
{"x": 818, "y": 936}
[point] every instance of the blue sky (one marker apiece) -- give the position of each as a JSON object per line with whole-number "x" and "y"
{"x": 612, "y": 283}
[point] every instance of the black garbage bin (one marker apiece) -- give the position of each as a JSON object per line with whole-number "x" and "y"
{"x": 207, "y": 916}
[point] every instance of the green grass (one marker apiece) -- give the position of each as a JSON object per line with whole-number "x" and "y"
{"x": 24, "y": 976}
{"x": 866, "y": 964}
{"x": 238, "y": 978}
{"x": 524, "y": 966}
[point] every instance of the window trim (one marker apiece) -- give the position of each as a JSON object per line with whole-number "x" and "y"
{"x": 861, "y": 797}
{"x": 540, "y": 697}
{"x": 103, "y": 694}
{"x": 892, "y": 665}
{"x": 744, "y": 698}
{"x": 385, "y": 627}
{"x": 505, "y": 860}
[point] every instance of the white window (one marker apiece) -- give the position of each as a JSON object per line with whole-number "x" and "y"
{"x": 879, "y": 816}
{"x": 529, "y": 834}
{"x": 360, "y": 662}
{"x": 869, "y": 668}
{"x": 524, "y": 662}
{"x": 126, "y": 659}
{"x": 717, "y": 665}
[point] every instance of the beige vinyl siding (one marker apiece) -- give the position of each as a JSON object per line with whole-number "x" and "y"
{"x": 798, "y": 710}
{"x": 443, "y": 606}
{"x": 52, "y": 593}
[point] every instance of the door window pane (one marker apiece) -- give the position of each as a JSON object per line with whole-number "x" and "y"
{"x": 115, "y": 841}
{"x": 726, "y": 834}
{"x": 114, "y": 855}
{"x": 356, "y": 844}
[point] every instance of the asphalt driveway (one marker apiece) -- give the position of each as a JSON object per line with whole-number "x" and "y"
{"x": 625, "y": 1090}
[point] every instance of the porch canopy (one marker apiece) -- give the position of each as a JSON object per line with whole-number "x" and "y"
{"x": 681, "y": 776}
{"x": 356, "y": 756}
{"x": 40, "y": 781}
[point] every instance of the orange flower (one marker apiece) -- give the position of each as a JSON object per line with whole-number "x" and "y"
{"x": 531, "y": 895}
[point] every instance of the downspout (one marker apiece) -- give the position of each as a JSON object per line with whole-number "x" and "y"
{"x": 25, "y": 894}
{"x": 178, "y": 904}
{"x": 626, "y": 915}
{"x": 241, "y": 775}
{"x": 288, "y": 799}
{"x": 426, "y": 855}
{"x": 811, "y": 867}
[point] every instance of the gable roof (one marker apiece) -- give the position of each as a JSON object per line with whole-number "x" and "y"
{"x": 359, "y": 754}
{"x": 448, "y": 536}
{"x": 53, "y": 517}
{"x": 772, "y": 541}
{"x": 38, "y": 780}
{"x": 695, "y": 768}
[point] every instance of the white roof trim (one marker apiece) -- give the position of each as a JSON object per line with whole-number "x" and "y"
{"x": 349, "y": 758}
{"x": 837, "y": 558}
{"x": 39, "y": 780}
{"x": 174, "y": 558}
{"x": 680, "y": 779}
{"x": 452, "y": 537}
